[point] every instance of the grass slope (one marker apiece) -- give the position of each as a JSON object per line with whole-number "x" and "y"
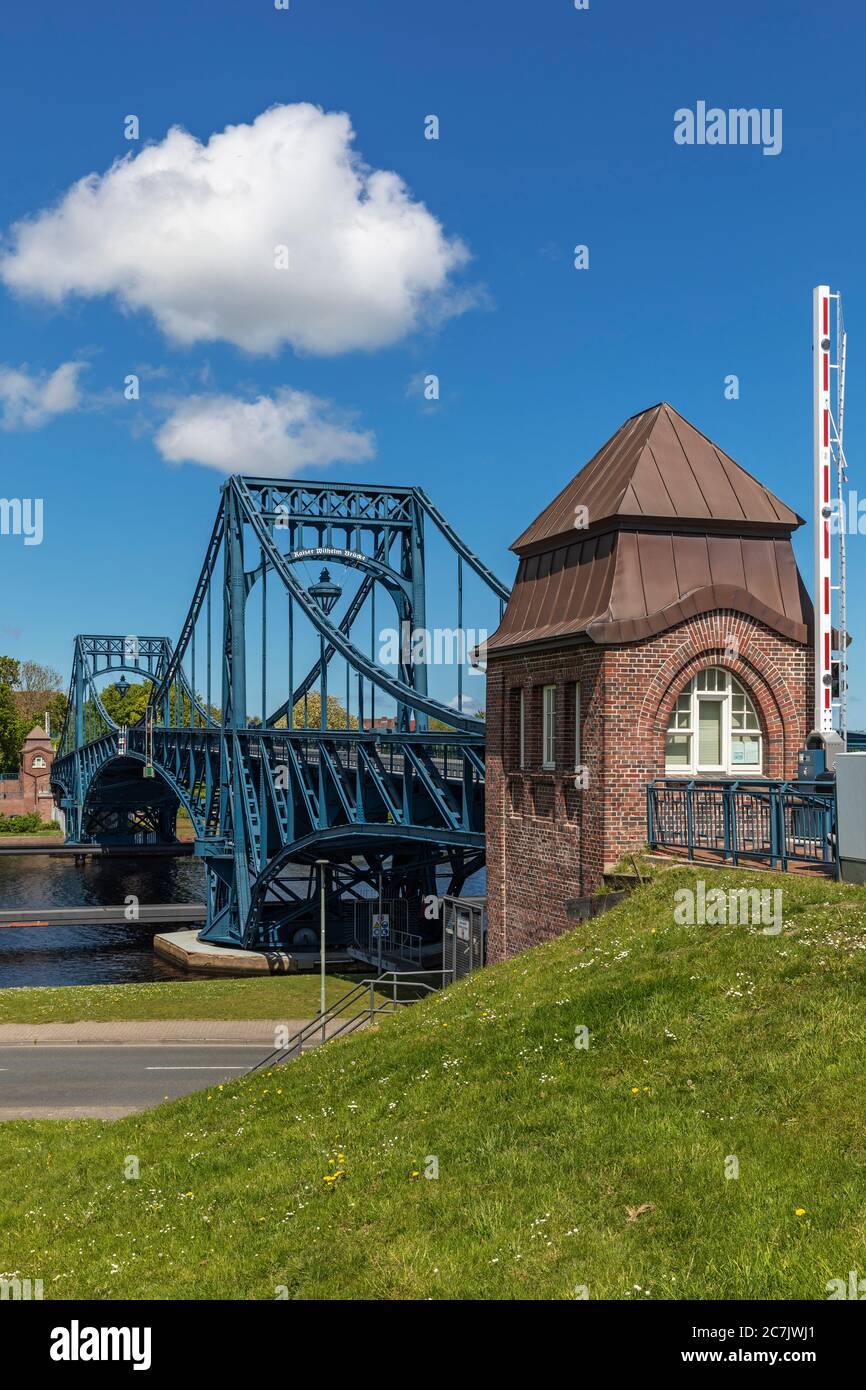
{"x": 268, "y": 996}
{"x": 558, "y": 1167}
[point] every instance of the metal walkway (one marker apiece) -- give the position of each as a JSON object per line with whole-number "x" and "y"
{"x": 91, "y": 851}
{"x": 182, "y": 914}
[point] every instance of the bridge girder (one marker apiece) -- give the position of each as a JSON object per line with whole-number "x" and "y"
{"x": 266, "y": 800}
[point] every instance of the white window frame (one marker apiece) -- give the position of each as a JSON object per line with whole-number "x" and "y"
{"x": 727, "y": 767}
{"x": 548, "y": 727}
{"x": 714, "y": 698}
{"x": 577, "y": 758}
{"x": 39, "y": 761}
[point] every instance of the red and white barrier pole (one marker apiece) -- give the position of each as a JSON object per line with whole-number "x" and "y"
{"x": 823, "y": 508}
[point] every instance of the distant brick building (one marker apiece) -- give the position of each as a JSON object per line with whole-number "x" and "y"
{"x": 30, "y": 791}
{"x": 658, "y": 625}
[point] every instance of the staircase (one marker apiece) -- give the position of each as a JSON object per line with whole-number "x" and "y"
{"x": 366, "y": 1001}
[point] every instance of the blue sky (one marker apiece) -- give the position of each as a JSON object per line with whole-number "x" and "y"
{"x": 556, "y": 128}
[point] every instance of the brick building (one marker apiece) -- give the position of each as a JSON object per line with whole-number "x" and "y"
{"x": 31, "y": 790}
{"x": 658, "y": 626}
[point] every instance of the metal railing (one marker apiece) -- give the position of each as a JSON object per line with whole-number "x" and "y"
{"x": 366, "y": 990}
{"x": 780, "y": 822}
{"x": 395, "y": 943}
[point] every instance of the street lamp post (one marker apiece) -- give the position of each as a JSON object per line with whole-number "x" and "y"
{"x": 322, "y": 865}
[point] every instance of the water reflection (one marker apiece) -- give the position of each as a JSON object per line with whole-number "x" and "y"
{"x": 98, "y": 954}
{"x": 85, "y": 955}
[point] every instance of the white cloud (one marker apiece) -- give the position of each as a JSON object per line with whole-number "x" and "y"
{"x": 189, "y": 230}
{"x": 470, "y": 705}
{"x": 274, "y": 437}
{"x": 28, "y": 400}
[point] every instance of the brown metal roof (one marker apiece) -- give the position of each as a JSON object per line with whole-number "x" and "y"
{"x": 658, "y": 468}
{"x": 637, "y": 570}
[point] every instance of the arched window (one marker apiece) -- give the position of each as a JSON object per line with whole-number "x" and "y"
{"x": 39, "y": 761}
{"x": 714, "y": 728}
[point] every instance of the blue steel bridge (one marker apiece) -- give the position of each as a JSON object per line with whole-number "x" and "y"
{"x": 271, "y": 791}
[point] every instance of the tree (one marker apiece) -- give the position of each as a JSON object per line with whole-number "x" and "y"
{"x": 336, "y": 718}
{"x": 34, "y": 687}
{"x": 129, "y": 707}
{"x": 32, "y": 675}
{"x": 56, "y": 707}
{"x": 12, "y": 733}
{"x": 8, "y": 671}
{"x": 437, "y": 727}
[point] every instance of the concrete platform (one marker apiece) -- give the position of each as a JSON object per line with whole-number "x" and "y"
{"x": 183, "y": 948}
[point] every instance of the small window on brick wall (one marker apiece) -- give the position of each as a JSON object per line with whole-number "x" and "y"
{"x": 516, "y": 742}
{"x": 521, "y": 729}
{"x": 575, "y": 708}
{"x": 548, "y": 727}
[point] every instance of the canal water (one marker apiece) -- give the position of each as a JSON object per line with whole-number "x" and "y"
{"x": 98, "y": 954}
{"x": 82, "y": 955}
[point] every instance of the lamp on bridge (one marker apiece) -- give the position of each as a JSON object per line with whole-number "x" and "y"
{"x": 122, "y": 686}
{"x": 326, "y": 594}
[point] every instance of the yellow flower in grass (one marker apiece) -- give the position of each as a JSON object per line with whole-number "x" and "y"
{"x": 336, "y": 1163}
{"x": 799, "y": 1211}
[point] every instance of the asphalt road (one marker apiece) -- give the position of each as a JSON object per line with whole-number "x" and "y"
{"x": 80, "y": 1081}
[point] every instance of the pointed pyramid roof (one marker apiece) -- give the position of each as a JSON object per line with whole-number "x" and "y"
{"x": 674, "y": 528}
{"x": 37, "y": 732}
{"x": 659, "y": 469}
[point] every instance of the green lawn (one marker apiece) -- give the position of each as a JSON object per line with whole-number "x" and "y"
{"x": 558, "y": 1167}
{"x": 267, "y": 996}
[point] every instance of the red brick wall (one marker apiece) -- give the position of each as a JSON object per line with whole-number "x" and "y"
{"x": 544, "y": 836}
{"x": 18, "y": 801}
{"x": 644, "y": 679}
{"x": 20, "y": 797}
{"x": 548, "y": 842}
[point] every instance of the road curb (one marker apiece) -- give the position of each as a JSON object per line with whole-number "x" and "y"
{"x": 149, "y": 1032}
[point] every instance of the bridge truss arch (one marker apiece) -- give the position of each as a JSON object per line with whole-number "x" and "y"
{"x": 278, "y": 722}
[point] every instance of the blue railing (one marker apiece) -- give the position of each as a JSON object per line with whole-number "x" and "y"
{"x": 780, "y": 822}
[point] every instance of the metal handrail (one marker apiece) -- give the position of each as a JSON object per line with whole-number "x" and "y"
{"x": 714, "y": 815}
{"x": 319, "y": 1024}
